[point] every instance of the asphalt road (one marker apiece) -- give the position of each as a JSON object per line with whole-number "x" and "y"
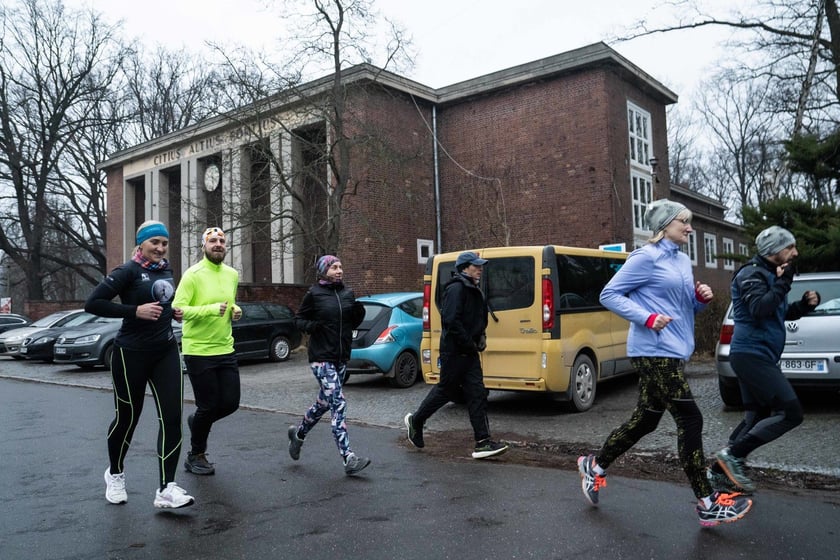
{"x": 407, "y": 505}
{"x": 525, "y": 419}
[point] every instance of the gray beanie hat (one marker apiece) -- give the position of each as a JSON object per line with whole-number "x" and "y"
{"x": 662, "y": 212}
{"x": 772, "y": 240}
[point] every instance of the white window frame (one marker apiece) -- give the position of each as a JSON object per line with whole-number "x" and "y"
{"x": 710, "y": 250}
{"x": 743, "y": 249}
{"x": 729, "y": 249}
{"x": 425, "y": 246}
{"x": 639, "y": 130}
{"x": 641, "y": 191}
{"x": 690, "y": 248}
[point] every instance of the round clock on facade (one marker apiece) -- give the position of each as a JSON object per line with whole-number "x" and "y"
{"x": 212, "y": 176}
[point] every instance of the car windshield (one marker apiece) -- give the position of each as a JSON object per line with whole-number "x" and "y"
{"x": 829, "y": 290}
{"x": 372, "y": 313}
{"x": 48, "y": 320}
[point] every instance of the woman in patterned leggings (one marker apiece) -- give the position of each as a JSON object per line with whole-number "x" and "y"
{"x": 145, "y": 352}
{"x": 655, "y": 291}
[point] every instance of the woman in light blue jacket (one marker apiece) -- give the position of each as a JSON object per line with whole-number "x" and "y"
{"x": 655, "y": 290}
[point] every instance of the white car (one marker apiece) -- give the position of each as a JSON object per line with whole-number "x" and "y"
{"x": 811, "y": 358}
{"x": 11, "y": 341}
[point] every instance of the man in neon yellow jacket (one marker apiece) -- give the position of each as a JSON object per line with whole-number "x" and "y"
{"x": 207, "y": 295}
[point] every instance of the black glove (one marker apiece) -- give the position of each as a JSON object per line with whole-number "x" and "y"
{"x": 481, "y": 345}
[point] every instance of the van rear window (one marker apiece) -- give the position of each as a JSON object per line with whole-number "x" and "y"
{"x": 581, "y": 279}
{"x": 507, "y": 282}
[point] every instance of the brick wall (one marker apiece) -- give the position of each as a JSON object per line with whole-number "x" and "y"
{"x": 392, "y": 203}
{"x": 36, "y": 309}
{"x": 288, "y": 294}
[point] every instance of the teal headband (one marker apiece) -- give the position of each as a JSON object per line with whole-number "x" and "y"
{"x": 151, "y": 230}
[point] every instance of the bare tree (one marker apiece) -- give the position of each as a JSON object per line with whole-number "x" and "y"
{"x": 328, "y": 36}
{"x": 55, "y": 70}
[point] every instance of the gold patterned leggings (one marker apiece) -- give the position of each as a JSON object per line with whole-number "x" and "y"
{"x": 662, "y": 386}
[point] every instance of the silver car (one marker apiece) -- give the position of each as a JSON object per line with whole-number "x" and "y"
{"x": 811, "y": 358}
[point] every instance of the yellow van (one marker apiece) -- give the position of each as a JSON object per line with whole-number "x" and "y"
{"x": 547, "y": 330}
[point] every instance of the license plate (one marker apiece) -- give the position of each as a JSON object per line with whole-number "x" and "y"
{"x": 60, "y": 350}
{"x": 804, "y": 366}
{"x": 24, "y": 349}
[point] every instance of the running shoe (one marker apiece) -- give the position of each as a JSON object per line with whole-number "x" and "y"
{"x": 115, "y": 487}
{"x": 733, "y": 468}
{"x": 295, "y": 443}
{"x": 725, "y": 508}
{"x": 415, "y": 435}
{"x": 590, "y": 482}
{"x": 197, "y": 463}
{"x": 488, "y": 448}
{"x": 353, "y": 464}
{"x": 173, "y": 496}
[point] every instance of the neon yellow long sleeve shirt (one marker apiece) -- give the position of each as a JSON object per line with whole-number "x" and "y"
{"x": 204, "y": 287}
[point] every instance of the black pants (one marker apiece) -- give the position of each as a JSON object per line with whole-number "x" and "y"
{"x": 215, "y": 383}
{"x": 771, "y": 407}
{"x": 131, "y": 371}
{"x": 460, "y": 376}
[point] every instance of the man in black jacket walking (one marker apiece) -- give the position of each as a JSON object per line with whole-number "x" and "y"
{"x": 328, "y": 313}
{"x": 464, "y": 318}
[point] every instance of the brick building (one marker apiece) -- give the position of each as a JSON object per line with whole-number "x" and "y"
{"x": 556, "y": 151}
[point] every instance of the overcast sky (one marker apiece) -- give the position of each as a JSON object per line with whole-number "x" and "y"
{"x": 455, "y": 39}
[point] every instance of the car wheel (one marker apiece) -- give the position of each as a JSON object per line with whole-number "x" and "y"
{"x": 107, "y": 355}
{"x": 404, "y": 371}
{"x": 730, "y": 392}
{"x": 280, "y": 349}
{"x": 584, "y": 381}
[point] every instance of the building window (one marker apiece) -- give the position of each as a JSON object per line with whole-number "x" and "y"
{"x": 690, "y": 248}
{"x": 642, "y": 194}
{"x": 743, "y": 249}
{"x": 638, "y": 124}
{"x": 710, "y": 249}
{"x": 728, "y": 250}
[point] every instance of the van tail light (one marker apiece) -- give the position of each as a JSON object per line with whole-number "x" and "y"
{"x": 386, "y": 336}
{"x": 547, "y": 305}
{"x": 726, "y": 334}
{"x": 427, "y": 294}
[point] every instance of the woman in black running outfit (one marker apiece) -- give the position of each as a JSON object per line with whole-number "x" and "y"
{"x": 145, "y": 352}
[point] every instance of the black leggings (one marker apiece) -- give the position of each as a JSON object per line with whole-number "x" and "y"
{"x": 662, "y": 386}
{"x": 215, "y": 383}
{"x": 131, "y": 370}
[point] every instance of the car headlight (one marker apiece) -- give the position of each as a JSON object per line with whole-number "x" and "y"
{"x": 13, "y": 339}
{"x": 88, "y": 339}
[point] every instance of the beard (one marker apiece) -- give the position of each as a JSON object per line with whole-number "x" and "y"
{"x": 216, "y": 257}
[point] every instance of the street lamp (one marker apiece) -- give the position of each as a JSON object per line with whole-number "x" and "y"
{"x": 654, "y": 161}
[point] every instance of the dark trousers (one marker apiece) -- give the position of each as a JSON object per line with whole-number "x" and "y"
{"x": 771, "y": 407}
{"x": 131, "y": 371}
{"x": 215, "y": 383}
{"x": 460, "y": 377}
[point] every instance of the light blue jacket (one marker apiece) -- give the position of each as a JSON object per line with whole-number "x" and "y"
{"x": 656, "y": 278}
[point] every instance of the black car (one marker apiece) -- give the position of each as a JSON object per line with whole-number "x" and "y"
{"x": 39, "y": 345}
{"x": 9, "y": 321}
{"x": 266, "y": 330}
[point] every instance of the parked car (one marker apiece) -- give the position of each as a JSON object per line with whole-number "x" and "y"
{"x": 266, "y": 330}
{"x": 88, "y": 345}
{"x": 39, "y": 345}
{"x": 388, "y": 340}
{"x": 811, "y": 358}
{"x": 9, "y": 321}
{"x": 10, "y": 341}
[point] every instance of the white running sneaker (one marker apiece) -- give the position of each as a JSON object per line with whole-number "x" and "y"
{"x": 173, "y": 496}
{"x": 115, "y": 487}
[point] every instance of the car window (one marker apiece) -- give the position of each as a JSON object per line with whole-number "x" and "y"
{"x": 278, "y": 311}
{"x": 372, "y": 312}
{"x": 413, "y": 307}
{"x": 254, "y": 312}
{"x": 509, "y": 283}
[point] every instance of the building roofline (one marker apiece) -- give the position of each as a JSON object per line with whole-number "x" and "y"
{"x": 594, "y": 55}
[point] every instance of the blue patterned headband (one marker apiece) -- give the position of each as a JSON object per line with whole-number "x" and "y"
{"x": 155, "y": 229}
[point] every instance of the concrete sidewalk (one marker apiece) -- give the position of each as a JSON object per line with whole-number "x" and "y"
{"x": 406, "y": 505}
